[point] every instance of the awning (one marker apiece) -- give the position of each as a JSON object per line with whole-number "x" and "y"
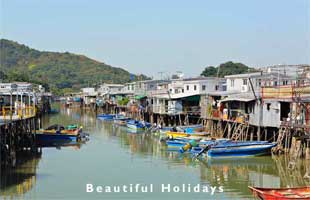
{"x": 242, "y": 99}
{"x": 138, "y": 97}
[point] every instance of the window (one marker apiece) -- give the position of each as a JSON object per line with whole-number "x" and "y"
{"x": 195, "y": 87}
{"x": 187, "y": 87}
{"x": 245, "y": 81}
{"x": 232, "y": 83}
{"x": 268, "y": 106}
{"x": 275, "y": 83}
{"x": 182, "y": 90}
{"x": 176, "y": 91}
{"x": 203, "y": 87}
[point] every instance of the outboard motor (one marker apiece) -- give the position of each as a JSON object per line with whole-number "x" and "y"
{"x": 187, "y": 146}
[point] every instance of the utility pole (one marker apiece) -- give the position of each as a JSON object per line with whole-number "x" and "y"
{"x": 161, "y": 75}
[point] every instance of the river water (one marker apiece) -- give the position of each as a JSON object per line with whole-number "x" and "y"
{"x": 114, "y": 157}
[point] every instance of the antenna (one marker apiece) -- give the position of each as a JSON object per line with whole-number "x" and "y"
{"x": 161, "y": 75}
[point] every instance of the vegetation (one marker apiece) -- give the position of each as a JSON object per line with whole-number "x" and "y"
{"x": 61, "y": 71}
{"x": 228, "y": 68}
{"x": 124, "y": 101}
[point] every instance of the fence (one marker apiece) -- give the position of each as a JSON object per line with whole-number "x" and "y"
{"x": 12, "y": 113}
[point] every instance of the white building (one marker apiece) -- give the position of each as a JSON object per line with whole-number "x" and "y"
{"x": 173, "y": 97}
{"x": 89, "y": 91}
{"x": 244, "y": 82}
{"x": 110, "y": 89}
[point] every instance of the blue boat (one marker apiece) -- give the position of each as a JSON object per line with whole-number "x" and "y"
{"x": 180, "y": 142}
{"x": 76, "y": 99}
{"x": 43, "y": 139}
{"x": 240, "y": 149}
{"x": 137, "y": 125}
{"x": 186, "y": 129}
{"x": 106, "y": 116}
{"x": 109, "y": 117}
{"x": 57, "y": 135}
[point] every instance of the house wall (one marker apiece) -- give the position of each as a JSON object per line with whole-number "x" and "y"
{"x": 262, "y": 116}
{"x": 271, "y": 116}
{"x": 88, "y": 90}
{"x": 202, "y": 86}
{"x": 237, "y": 84}
{"x": 128, "y": 88}
{"x": 159, "y": 106}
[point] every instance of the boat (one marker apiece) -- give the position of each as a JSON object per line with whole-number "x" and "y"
{"x": 240, "y": 149}
{"x": 180, "y": 142}
{"x": 105, "y": 116}
{"x": 187, "y": 128}
{"x": 137, "y": 125}
{"x": 121, "y": 121}
{"x": 185, "y": 134}
{"x": 71, "y": 129}
{"x": 109, "y": 117}
{"x": 58, "y": 135}
{"x": 281, "y": 193}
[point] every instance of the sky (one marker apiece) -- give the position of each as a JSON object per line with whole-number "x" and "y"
{"x": 164, "y": 36}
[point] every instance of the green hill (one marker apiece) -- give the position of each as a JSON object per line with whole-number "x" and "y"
{"x": 61, "y": 71}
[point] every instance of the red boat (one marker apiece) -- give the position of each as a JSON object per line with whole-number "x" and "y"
{"x": 281, "y": 193}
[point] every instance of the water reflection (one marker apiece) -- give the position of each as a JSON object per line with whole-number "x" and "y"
{"x": 21, "y": 179}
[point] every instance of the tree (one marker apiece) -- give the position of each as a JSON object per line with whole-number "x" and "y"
{"x": 227, "y": 68}
{"x": 3, "y": 76}
{"x": 209, "y": 71}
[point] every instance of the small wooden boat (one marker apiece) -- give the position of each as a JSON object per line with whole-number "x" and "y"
{"x": 240, "y": 149}
{"x": 72, "y": 129}
{"x": 187, "y": 129}
{"x": 185, "y": 134}
{"x": 281, "y": 193}
{"x": 59, "y": 135}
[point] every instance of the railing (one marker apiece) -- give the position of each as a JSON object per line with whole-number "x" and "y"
{"x": 236, "y": 115}
{"x": 172, "y": 110}
{"x": 286, "y": 91}
{"x": 12, "y": 113}
{"x": 230, "y": 115}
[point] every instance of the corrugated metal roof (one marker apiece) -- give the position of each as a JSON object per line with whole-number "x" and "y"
{"x": 237, "y": 99}
{"x": 245, "y": 97}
